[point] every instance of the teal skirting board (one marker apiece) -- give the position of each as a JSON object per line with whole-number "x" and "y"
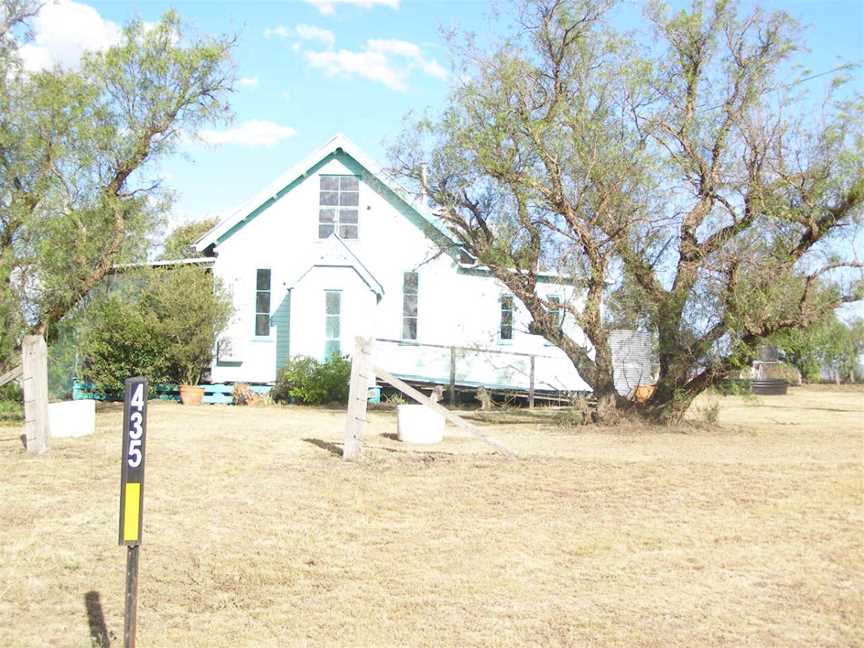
{"x": 221, "y": 394}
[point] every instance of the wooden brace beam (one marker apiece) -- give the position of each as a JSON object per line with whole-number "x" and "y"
{"x": 10, "y": 375}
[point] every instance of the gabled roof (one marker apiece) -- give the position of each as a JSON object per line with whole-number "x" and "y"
{"x": 412, "y": 209}
{"x": 336, "y": 254}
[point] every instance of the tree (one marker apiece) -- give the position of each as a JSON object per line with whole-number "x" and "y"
{"x": 855, "y": 351}
{"x": 763, "y": 197}
{"x": 77, "y": 149}
{"x": 683, "y": 173}
{"x": 827, "y": 345}
{"x": 531, "y": 167}
{"x": 180, "y": 244}
{"x": 160, "y": 323}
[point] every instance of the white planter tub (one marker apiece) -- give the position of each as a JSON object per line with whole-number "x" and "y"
{"x": 419, "y": 424}
{"x": 72, "y": 418}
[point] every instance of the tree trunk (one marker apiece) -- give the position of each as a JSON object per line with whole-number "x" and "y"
{"x": 607, "y": 404}
{"x": 604, "y": 385}
{"x": 676, "y": 390}
{"x": 669, "y": 402}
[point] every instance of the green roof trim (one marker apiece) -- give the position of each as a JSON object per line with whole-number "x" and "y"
{"x": 372, "y": 181}
{"x": 541, "y": 278}
{"x": 274, "y": 199}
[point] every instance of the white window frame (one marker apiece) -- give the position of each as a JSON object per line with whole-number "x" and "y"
{"x": 337, "y": 224}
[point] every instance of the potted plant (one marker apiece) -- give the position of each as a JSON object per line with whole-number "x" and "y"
{"x": 191, "y": 393}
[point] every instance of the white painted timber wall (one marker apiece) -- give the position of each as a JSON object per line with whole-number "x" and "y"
{"x": 454, "y": 308}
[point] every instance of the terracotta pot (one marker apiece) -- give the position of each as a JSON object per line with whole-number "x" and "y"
{"x": 191, "y": 394}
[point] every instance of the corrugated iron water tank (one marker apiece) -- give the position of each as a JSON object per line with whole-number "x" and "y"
{"x": 631, "y": 360}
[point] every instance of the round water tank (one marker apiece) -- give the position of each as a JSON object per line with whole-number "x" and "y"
{"x": 419, "y": 424}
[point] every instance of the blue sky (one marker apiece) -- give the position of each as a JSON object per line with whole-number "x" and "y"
{"x": 311, "y": 68}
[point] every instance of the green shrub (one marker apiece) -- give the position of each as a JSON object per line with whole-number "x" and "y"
{"x": 782, "y": 371}
{"x": 307, "y": 381}
{"x": 121, "y": 341}
{"x": 733, "y": 387}
{"x": 11, "y": 391}
{"x": 11, "y": 411}
{"x": 570, "y": 417}
{"x": 161, "y": 324}
{"x": 11, "y": 402}
{"x": 192, "y": 308}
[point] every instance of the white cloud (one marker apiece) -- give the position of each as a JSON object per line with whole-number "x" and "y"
{"x": 328, "y": 7}
{"x": 312, "y": 33}
{"x": 387, "y": 61}
{"x": 394, "y": 46}
{"x": 303, "y": 32}
{"x": 254, "y": 133}
{"x": 63, "y": 31}
{"x": 408, "y": 50}
{"x": 248, "y": 82}
{"x": 374, "y": 66}
{"x": 280, "y": 31}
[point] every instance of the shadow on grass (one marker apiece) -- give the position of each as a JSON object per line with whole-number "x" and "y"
{"x": 815, "y": 409}
{"x": 415, "y": 453}
{"x": 511, "y": 416}
{"x": 14, "y": 438}
{"x": 99, "y": 637}
{"x": 332, "y": 448}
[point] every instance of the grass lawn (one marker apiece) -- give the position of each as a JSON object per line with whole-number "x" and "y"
{"x": 748, "y": 533}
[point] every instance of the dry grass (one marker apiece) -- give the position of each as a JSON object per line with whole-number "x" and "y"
{"x": 256, "y": 534}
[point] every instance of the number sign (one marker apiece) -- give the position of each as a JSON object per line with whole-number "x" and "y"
{"x": 132, "y": 471}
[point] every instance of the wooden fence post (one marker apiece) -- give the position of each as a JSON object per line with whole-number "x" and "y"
{"x": 34, "y": 366}
{"x": 531, "y": 385}
{"x": 452, "y": 376}
{"x": 358, "y": 394}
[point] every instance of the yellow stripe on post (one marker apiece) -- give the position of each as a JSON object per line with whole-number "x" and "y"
{"x": 131, "y": 511}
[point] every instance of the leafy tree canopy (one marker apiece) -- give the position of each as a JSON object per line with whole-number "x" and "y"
{"x": 681, "y": 168}
{"x": 828, "y": 345}
{"x": 180, "y": 243}
{"x": 77, "y": 158}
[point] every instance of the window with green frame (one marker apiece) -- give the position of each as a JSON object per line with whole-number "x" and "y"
{"x": 262, "y": 302}
{"x": 332, "y": 323}
{"x": 557, "y": 311}
{"x": 410, "y": 293}
{"x": 505, "y": 330}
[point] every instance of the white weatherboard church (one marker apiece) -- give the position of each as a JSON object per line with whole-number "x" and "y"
{"x": 334, "y": 249}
